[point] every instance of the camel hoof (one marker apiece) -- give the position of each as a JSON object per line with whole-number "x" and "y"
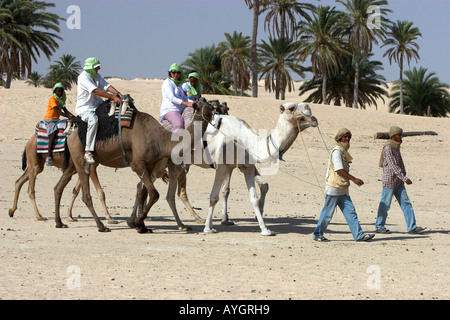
{"x": 73, "y": 219}
{"x": 267, "y": 232}
{"x": 200, "y": 221}
{"x": 112, "y": 221}
{"x": 11, "y": 213}
{"x": 130, "y": 223}
{"x": 144, "y": 229}
{"x": 184, "y": 228}
{"x": 227, "y": 223}
{"x": 104, "y": 229}
{"x": 209, "y": 230}
{"x": 41, "y": 219}
{"x": 61, "y": 226}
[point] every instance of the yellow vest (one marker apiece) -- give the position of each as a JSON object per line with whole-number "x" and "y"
{"x": 333, "y": 178}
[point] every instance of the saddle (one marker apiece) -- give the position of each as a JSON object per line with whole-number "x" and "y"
{"x": 108, "y": 124}
{"x": 64, "y": 128}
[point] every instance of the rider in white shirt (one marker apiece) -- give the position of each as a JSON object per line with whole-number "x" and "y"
{"x": 91, "y": 89}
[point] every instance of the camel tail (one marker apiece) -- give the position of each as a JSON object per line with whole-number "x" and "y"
{"x": 24, "y": 159}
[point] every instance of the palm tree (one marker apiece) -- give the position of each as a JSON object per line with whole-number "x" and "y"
{"x": 25, "y": 31}
{"x": 236, "y": 52}
{"x": 401, "y": 39}
{"x": 277, "y": 60}
{"x": 68, "y": 70}
{"x": 206, "y": 61}
{"x": 362, "y": 35}
{"x": 283, "y": 15}
{"x": 257, "y": 6}
{"x": 340, "y": 85}
{"x": 34, "y": 79}
{"x": 321, "y": 38}
{"x": 424, "y": 94}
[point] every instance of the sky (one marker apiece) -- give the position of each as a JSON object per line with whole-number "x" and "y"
{"x": 142, "y": 38}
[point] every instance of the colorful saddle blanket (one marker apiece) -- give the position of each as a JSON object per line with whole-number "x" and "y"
{"x": 188, "y": 115}
{"x": 42, "y": 138}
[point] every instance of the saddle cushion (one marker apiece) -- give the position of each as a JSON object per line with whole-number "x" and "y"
{"x": 42, "y": 138}
{"x": 108, "y": 126}
{"x": 188, "y": 115}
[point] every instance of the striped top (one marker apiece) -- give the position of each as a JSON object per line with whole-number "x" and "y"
{"x": 394, "y": 172}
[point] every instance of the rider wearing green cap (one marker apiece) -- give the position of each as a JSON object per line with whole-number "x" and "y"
{"x": 56, "y": 107}
{"x": 193, "y": 88}
{"x": 174, "y": 99}
{"x": 91, "y": 89}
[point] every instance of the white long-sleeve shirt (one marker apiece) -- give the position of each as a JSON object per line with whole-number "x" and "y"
{"x": 172, "y": 97}
{"x": 87, "y": 100}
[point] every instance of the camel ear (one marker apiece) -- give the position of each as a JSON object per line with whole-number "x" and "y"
{"x": 281, "y": 108}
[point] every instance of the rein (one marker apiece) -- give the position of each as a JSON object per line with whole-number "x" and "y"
{"x": 120, "y": 131}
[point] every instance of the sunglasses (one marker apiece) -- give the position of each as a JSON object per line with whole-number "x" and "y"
{"x": 175, "y": 72}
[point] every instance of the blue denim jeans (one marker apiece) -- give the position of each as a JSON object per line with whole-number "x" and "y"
{"x": 344, "y": 203}
{"x": 402, "y": 197}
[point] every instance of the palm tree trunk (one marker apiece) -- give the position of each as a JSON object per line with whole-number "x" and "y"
{"x": 8, "y": 80}
{"x": 355, "y": 92}
{"x": 277, "y": 85}
{"x": 324, "y": 88}
{"x": 402, "y": 110}
{"x": 234, "y": 70}
{"x": 254, "y": 44}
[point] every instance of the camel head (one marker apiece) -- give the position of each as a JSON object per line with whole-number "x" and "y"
{"x": 299, "y": 113}
{"x": 220, "y": 108}
{"x": 204, "y": 111}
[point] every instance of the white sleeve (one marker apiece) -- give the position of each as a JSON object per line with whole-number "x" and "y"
{"x": 103, "y": 84}
{"x": 86, "y": 83}
{"x": 168, "y": 93}
{"x": 336, "y": 159}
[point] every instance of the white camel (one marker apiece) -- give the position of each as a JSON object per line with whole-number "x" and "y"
{"x": 235, "y": 145}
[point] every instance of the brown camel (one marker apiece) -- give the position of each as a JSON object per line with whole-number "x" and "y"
{"x": 147, "y": 147}
{"x": 33, "y": 164}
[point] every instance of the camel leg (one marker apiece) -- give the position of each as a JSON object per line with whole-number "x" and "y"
{"x": 75, "y": 192}
{"x": 137, "y": 220}
{"x": 184, "y": 198}
{"x": 139, "y": 202}
{"x": 225, "y": 193}
{"x": 18, "y": 186}
{"x": 101, "y": 194}
{"x": 58, "y": 190}
{"x": 182, "y": 194}
{"x": 221, "y": 172}
{"x": 32, "y": 173}
{"x": 264, "y": 188}
{"x": 87, "y": 199}
{"x": 174, "y": 174}
{"x": 249, "y": 174}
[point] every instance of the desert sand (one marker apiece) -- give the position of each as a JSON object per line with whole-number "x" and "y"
{"x": 39, "y": 261}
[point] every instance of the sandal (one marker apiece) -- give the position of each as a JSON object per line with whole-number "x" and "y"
{"x": 367, "y": 237}
{"x": 417, "y": 230}
{"x": 49, "y": 161}
{"x": 321, "y": 239}
{"x": 384, "y": 230}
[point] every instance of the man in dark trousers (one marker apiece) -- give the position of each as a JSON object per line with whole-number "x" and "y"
{"x": 394, "y": 179}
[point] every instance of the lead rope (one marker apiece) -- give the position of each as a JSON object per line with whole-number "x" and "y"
{"x": 309, "y": 159}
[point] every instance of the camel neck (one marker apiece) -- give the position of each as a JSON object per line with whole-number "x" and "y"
{"x": 281, "y": 139}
